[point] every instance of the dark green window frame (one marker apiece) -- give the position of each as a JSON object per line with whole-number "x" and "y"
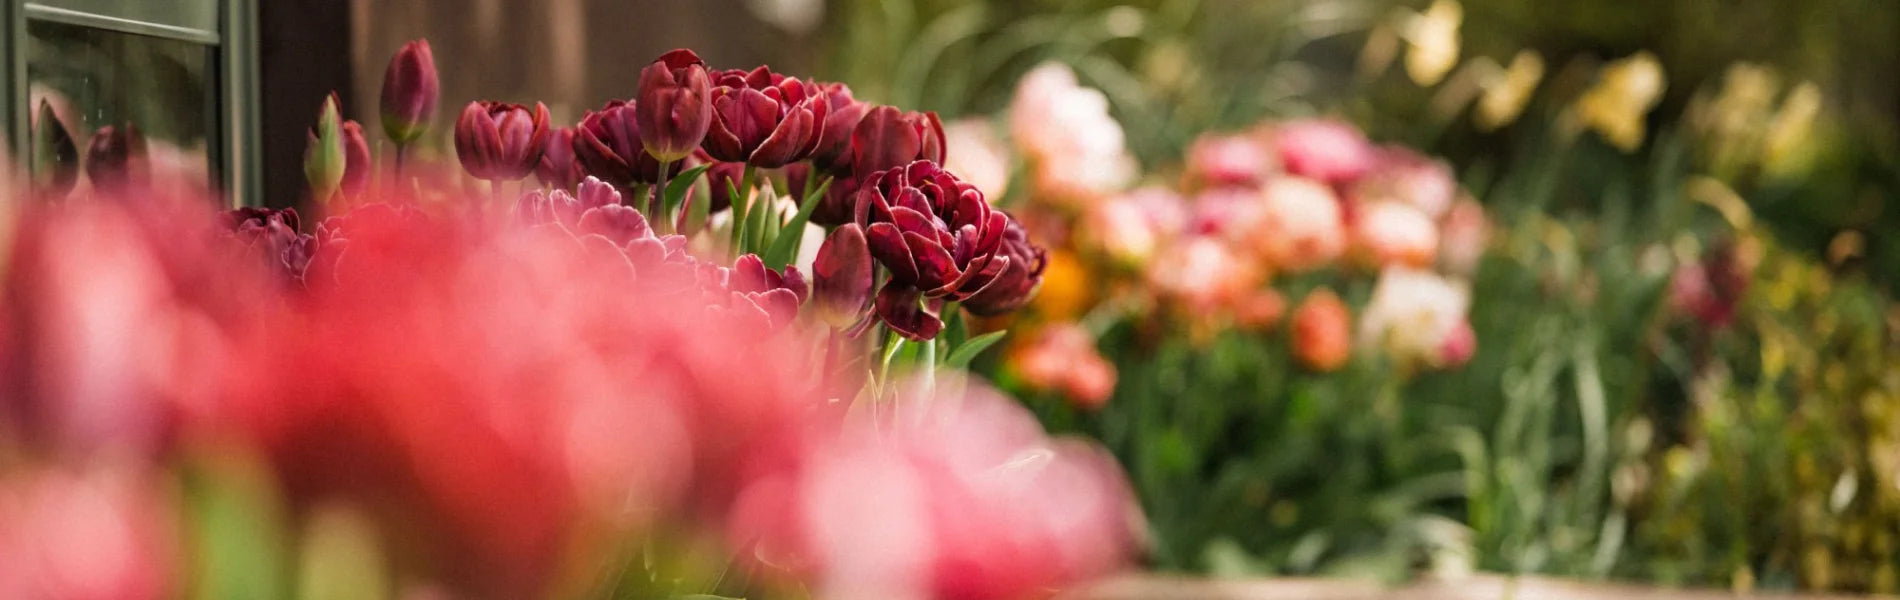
{"x": 227, "y": 26}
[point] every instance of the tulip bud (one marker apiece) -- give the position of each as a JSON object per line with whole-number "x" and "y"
{"x": 888, "y": 138}
{"x": 1321, "y": 332}
{"x": 357, "y": 164}
{"x": 115, "y": 157}
{"x": 501, "y": 142}
{"x": 841, "y": 277}
{"x": 411, "y": 92}
{"x": 324, "y": 159}
{"x": 675, "y": 108}
{"x": 559, "y": 168}
{"x": 55, "y": 157}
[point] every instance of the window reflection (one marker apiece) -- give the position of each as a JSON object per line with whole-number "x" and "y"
{"x": 95, "y": 78}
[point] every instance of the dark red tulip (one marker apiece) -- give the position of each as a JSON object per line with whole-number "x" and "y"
{"x": 834, "y": 139}
{"x": 115, "y": 157}
{"x": 411, "y": 92}
{"x": 888, "y": 138}
{"x": 607, "y": 145}
{"x": 675, "y": 108}
{"x": 559, "y": 169}
{"x": 1016, "y": 285}
{"x": 497, "y": 141}
{"x": 840, "y": 204}
{"x": 357, "y": 164}
{"x": 936, "y": 235}
{"x": 842, "y": 277}
{"x": 764, "y": 119}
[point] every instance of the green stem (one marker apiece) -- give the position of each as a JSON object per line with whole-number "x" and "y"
{"x": 930, "y": 366}
{"x": 740, "y": 201}
{"x": 891, "y": 345}
{"x": 658, "y": 214}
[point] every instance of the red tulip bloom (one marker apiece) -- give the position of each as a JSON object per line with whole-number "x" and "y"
{"x": 834, "y": 146}
{"x": 1017, "y": 283}
{"x": 411, "y": 92}
{"x": 501, "y": 142}
{"x": 937, "y": 236}
{"x": 559, "y": 168}
{"x": 607, "y": 145}
{"x": 842, "y": 277}
{"x": 675, "y": 108}
{"x": 888, "y": 138}
{"x": 765, "y": 119}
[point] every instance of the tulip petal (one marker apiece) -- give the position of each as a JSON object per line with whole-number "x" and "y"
{"x": 842, "y": 276}
{"x": 934, "y": 264}
{"x": 888, "y": 245}
{"x": 615, "y": 222}
{"x": 900, "y": 308}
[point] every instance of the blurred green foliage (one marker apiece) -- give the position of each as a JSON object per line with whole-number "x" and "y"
{"x": 1597, "y": 432}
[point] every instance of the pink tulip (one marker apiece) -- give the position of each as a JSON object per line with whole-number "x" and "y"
{"x": 1330, "y": 151}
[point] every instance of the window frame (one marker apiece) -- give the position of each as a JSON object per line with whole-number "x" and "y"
{"x": 232, "y": 33}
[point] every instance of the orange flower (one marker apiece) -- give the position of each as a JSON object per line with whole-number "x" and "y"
{"x": 1322, "y": 331}
{"x": 1065, "y": 287}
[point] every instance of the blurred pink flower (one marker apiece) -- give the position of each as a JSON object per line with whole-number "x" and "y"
{"x": 1076, "y": 148}
{"x": 1407, "y": 177}
{"x": 1203, "y": 274}
{"x": 102, "y": 534}
{"x": 1228, "y": 160}
{"x": 980, "y": 157}
{"x": 1389, "y": 233}
{"x": 957, "y": 494}
{"x": 1303, "y": 227}
{"x": 1711, "y": 287}
{"x": 1463, "y": 236}
{"x": 1330, "y": 151}
{"x": 1128, "y": 228}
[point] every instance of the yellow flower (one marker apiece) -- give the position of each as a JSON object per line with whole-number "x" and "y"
{"x": 1433, "y": 41}
{"x": 1788, "y": 133}
{"x": 1625, "y": 92}
{"x": 1506, "y": 94}
{"x": 1065, "y": 291}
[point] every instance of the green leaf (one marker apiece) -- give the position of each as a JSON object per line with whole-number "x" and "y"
{"x": 677, "y": 189}
{"x": 55, "y": 154}
{"x": 961, "y": 357}
{"x": 764, "y": 209}
{"x": 785, "y": 248}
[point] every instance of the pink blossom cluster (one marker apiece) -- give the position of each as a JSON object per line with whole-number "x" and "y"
{"x": 495, "y": 389}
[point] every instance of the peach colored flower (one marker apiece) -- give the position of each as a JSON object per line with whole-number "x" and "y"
{"x": 1463, "y": 236}
{"x": 1414, "y": 317}
{"x": 1321, "y": 333}
{"x": 1202, "y": 274}
{"x": 1389, "y": 233}
{"x": 1303, "y": 225}
{"x": 1062, "y": 358}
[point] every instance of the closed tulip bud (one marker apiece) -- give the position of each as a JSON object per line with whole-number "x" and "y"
{"x": 559, "y": 168}
{"x": 1322, "y": 332}
{"x": 324, "y": 159}
{"x": 1017, "y": 284}
{"x": 501, "y": 142}
{"x": 55, "y": 155}
{"x": 764, "y": 119}
{"x": 115, "y": 157}
{"x": 357, "y": 164}
{"x": 888, "y": 138}
{"x": 675, "y": 107}
{"x": 841, "y": 277}
{"x": 411, "y": 92}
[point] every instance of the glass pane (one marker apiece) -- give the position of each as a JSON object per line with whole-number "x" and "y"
{"x": 188, "y": 14}
{"x": 166, "y": 88}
